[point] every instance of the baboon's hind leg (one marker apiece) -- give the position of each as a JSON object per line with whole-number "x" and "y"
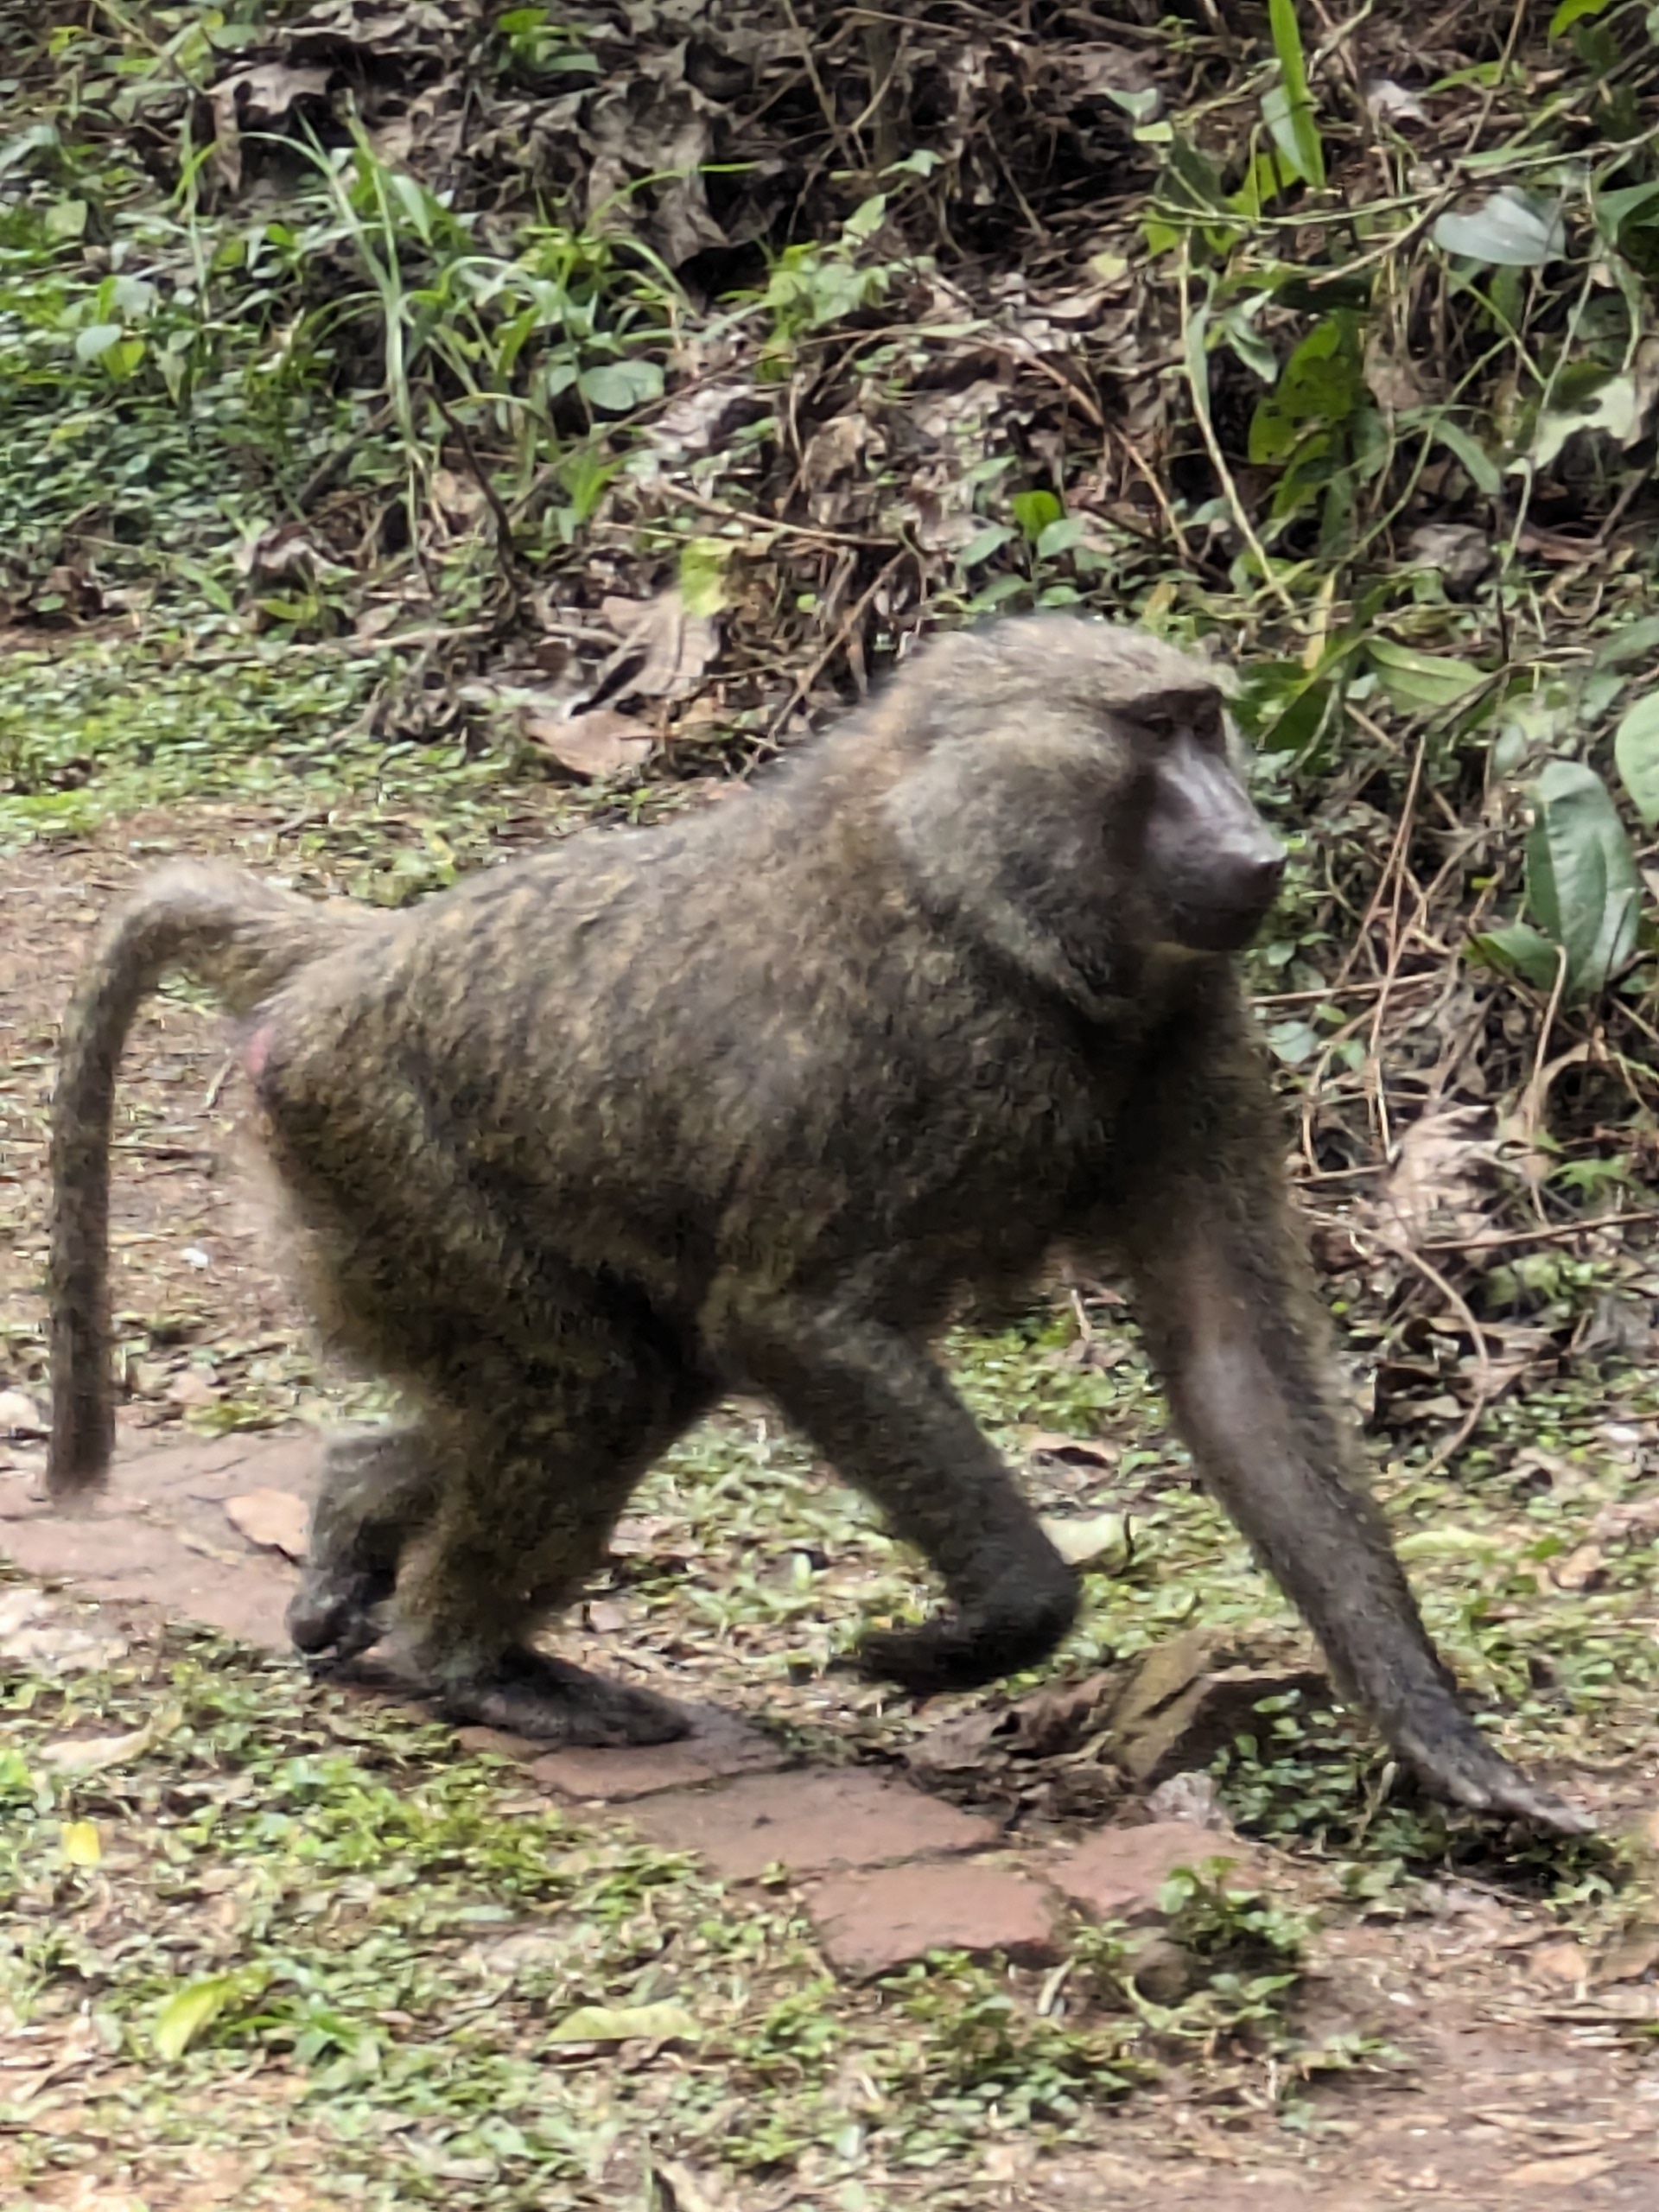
{"x": 541, "y": 1458}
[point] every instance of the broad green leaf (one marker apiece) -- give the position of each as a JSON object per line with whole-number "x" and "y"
{"x": 980, "y": 548}
{"x": 1304, "y": 131}
{"x": 1034, "y": 511}
{"x": 626, "y": 2023}
{"x": 1613, "y": 209}
{"x": 1517, "y": 949}
{"x": 618, "y": 386}
{"x": 184, "y": 2016}
{"x": 1636, "y": 749}
{"x": 1618, "y": 408}
{"x": 1574, "y": 11}
{"x": 1059, "y": 536}
{"x": 1631, "y": 641}
{"x": 1419, "y": 683}
{"x": 1483, "y": 472}
{"x": 1511, "y": 230}
{"x": 703, "y": 574}
{"x": 1320, "y": 385}
{"x": 1583, "y": 888}
{"x": 97, "y": 339}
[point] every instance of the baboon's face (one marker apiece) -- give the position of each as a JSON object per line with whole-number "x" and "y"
{"x": 1211, "y": 866}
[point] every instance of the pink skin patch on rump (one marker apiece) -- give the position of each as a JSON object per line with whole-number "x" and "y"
{"x": 255, "y": 1051}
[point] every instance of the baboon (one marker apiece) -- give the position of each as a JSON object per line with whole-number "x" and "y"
{"x": 755, "y": 1100}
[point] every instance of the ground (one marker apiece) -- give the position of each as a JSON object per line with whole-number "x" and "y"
{"x": 429, "y": 429}
{"x": 272, "y": 1942}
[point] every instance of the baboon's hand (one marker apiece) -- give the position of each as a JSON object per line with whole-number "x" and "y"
{"x": 530, "y": 1695}
{"x": 1465, "y": 1770}
{"x": 961, "y": 1651}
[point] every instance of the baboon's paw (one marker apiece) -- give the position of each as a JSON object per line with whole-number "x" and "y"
{"x": 554, "y": 1702}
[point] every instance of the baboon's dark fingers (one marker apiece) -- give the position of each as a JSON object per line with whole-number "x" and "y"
{"x": 1463, "y": 1768}
{"x": 554, "y": 1702}
{"x": 340, "y": 1616}
{"x": 963, "y": 1651}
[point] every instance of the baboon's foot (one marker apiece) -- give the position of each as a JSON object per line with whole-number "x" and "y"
{"x": 334, "y": 1616}
{"x": 1463, "y": 1769}
{"x": 963, "y": 1651}
{"x": 529, "y": 1695}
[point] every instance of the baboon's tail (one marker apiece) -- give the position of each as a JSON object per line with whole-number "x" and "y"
{"x": 238, "y": 936}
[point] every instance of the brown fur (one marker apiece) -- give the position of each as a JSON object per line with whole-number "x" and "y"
{"x": 755, "y": 1100}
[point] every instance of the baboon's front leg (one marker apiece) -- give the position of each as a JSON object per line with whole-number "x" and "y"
{"x": 1233, "y": 1319}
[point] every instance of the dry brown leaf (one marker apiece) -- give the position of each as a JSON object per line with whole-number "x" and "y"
{"x": 1563, "y": 1961}
{"x": 601, "y": 742}
{"x": 20, "y": 1415}
{"x": 275, "y": 1520}
{"x": 1579, "y": 1570}
{"x": 663, "y": 653}
{"x": 1560, "y": 2173}
{"x": 1435, "y": 1185}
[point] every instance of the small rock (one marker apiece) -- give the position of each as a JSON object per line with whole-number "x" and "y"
{"x": 823, "y": 1817}
{"x": 1117, "y": 1874}
{"x": 1565, "y": 1961}
{"x": 190, "y": 1387}
{"x": 1192, "y": 1797}
{"x": 1189, "y": 1699}
{"x": 1163, "y": 1970}
{"x": 874, "y": 1924}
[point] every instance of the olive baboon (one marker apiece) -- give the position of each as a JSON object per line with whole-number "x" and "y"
{"x": 754, "y": 1099}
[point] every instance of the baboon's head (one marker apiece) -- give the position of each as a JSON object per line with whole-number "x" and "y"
{"x": 1085, "y": 773}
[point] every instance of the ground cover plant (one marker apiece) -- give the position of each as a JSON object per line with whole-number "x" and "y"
{"x": 428, "y": 430}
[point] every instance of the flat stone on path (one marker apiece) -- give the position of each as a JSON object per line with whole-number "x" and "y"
{"x": 808, "y": 1820}
{"x": 1117, "y": 1874}
{"x": 160, "y": 1535}
{"x": 874, "y": 1924}
{"x": 720, "y": 1746}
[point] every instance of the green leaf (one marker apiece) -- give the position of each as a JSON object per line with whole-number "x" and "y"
{"x": 1511, "y": 230}
{"x": 626, "y": 2023}
{"x": 1618, "y": 407}
{"x": 1635, "y": 750}
{"x": 1059, "y": 536}
{"x": 97, "y": 339}
{"x": 1583, "y": 888}
{"x": 703, "y": 574}
{"x": 1517, "y": 949}
{"x": 617, "y": 387}
{"x": 1574, "y": 11}
{"x": 1482, "y": 470}
{"x": 1301, "y": 129}
{"x": 184, "y": 2016}
{"x": 980, "y": 548}
{"x": 1421, "y": 683}
{"x": 1631, "y": 641}
{"x": 1034, "y": 511}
